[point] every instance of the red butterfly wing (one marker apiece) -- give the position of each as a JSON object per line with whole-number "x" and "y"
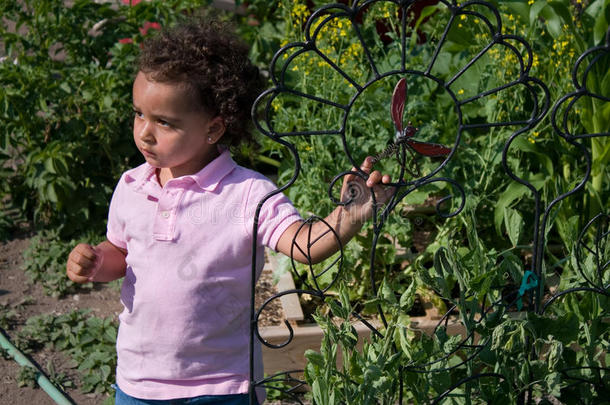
{"x": 428, "y": 149}
{"x": 398, "y": 103}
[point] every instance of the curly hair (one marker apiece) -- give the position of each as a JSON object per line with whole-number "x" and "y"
{"x": 212, "y": 61}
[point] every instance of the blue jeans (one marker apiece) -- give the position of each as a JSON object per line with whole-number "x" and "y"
{"x": 236, "y": 399}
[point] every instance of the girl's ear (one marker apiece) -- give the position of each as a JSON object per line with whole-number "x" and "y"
{"x": 216, "y": 129}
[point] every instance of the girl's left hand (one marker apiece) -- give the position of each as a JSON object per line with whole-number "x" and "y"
{"x": 359, "y": 191}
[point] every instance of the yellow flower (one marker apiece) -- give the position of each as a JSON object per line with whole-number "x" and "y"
{"x": 460, "y": 91}
{"x": 530, "y": 2}
{"x": 463, "y": 17}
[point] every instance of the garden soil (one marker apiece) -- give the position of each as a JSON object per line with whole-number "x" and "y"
{"x": 26, "y": 299}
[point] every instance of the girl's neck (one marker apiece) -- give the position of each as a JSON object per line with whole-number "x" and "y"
{"x": 165, "y": 174}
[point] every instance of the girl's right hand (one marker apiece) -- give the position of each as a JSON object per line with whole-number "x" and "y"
{"x": 83, "y": 264}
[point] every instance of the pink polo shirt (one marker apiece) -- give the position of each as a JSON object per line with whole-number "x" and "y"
{"x": 184, "y": 331}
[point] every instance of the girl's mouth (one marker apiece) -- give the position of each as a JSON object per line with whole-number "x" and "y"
{"x": 147, "y": 153}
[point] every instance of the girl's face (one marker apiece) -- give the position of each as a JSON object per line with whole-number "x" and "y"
{"x": 171, "y": 129}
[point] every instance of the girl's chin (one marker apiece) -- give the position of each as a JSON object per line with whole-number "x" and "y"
{"x": 152, "y": 161}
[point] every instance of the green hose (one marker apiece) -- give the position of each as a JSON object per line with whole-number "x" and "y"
{"x": 42, "y": 380}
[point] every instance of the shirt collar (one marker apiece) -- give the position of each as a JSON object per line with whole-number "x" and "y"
{"x": 207, "y": 178}
{"x": 212, "y": 174}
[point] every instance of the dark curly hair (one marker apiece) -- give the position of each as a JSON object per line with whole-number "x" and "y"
{"x": 212, "y": 61}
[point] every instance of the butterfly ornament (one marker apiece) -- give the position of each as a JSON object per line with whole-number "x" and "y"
{"x": 404, "y": 142}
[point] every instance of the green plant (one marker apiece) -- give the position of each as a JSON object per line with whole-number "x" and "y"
{"x": 27, "y": 377}
{"x": 65, "y": 108}
{"x": 4, "y": 354}
{"x": 8, "y": 317}
{"x": 57, "y": 378}
{"x": 45, "y": 262}
{"x": 89, "y": 341}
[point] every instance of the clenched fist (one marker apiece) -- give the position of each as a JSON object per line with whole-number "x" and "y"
{"x": 84, "y": 262}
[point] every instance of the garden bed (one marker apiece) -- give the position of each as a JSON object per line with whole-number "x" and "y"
{"x": 308, "y": 335}
{"x": 19, "y": 301}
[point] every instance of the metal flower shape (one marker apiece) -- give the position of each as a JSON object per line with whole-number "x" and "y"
{"x": 337, "y": 104}
{"x": 341, "y": 75}
{"x": 585, "y": 88}
{"x": 591, "y": 253}
{"x": 423, "y": 68}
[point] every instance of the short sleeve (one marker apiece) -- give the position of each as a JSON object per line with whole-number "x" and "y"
{"x": 115, "y": 230}
{"x": 276, "y": 215}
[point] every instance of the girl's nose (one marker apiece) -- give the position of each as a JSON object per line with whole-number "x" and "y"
{"x": 144, "y": 132}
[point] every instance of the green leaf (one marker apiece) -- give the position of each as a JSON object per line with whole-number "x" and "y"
{"x": 513, "y": 192}
{"x": 51, "y": 194}
{"x": 408, "y": 297}
{"x": 49, "y": 166}
{"x": 107, "y": 101}
{"x": 535, "y": 10}
{"x": 314, "y": 357}
{"x": 444, "y": 270}
{"x": 553, "y": 383}
{"x": 514, "y": 224}
{"x": 106, "y": 371}
{"x": 320, "y": 391}
{"x": 65, "y": 87}
{"x": 600, "y": 27}
{"x": 554, "y": 356}
{"x": 560, "y": 8}
{"x": 386, "y": 292}
{"x": 552, "y": 21}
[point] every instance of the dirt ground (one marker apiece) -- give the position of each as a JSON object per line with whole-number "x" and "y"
{"x": 27, "y": 300}
{"x": 14, "y": 288}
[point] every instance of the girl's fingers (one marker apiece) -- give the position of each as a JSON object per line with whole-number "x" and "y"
{"x": 86, "y": 251}
{"x": 77, "y": 273}
{"x": 374, "y": 178}
{"x": 83, "y": 255}
{"x": 367, "y": 165}
{"x": 76, "y": 278}
{"x": 81, "y": 262}
{"x": 77, "y": 269}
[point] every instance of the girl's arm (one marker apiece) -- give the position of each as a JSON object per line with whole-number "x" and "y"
{"x": 345, "y": 220}
{"x": 104, "y": 262}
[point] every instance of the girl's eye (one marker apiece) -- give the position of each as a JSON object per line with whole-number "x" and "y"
{"x": 164, "y": 124}
{"x": 137, "y": 114}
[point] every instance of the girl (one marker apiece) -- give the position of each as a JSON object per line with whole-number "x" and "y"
{"x": 180, "y": 225}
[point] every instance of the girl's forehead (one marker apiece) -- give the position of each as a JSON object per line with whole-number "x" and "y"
{"x": 148, "y": 81}
{"x": 177, "y": 93}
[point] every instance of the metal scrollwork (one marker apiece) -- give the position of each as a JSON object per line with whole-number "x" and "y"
{"x": 407, "y": 147}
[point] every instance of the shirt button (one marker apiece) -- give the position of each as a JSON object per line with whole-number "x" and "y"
{"x": 165, "y": 214}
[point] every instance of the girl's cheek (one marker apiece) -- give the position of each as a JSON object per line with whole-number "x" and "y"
{"x": 138, "y": 130}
